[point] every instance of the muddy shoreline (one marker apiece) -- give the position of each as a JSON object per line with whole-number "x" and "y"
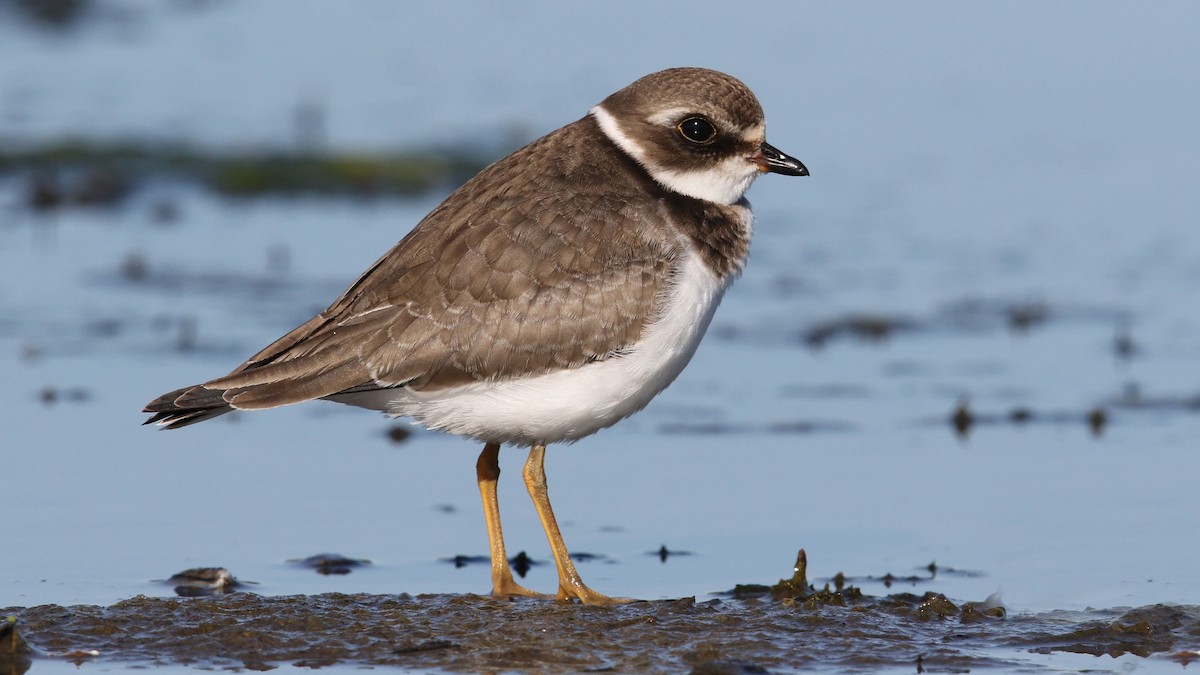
{"x": 465, "y": 633}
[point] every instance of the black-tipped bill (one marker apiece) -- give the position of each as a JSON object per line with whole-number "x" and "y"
{"x": 771, "y": 160}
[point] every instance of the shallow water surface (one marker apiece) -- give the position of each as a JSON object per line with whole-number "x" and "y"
{"x": 968, "y": 343}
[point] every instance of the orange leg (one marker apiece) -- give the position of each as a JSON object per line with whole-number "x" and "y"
{"x": 570, "y": 586}
{"x": 487, "y": 470}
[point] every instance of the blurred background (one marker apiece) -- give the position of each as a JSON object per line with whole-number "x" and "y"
{"x": 969, "y": 338}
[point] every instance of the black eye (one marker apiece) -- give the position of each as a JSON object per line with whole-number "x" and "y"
{"x": 697, "y": 130}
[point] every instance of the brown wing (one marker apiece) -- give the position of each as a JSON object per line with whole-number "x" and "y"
{"x": 516, "y": 273}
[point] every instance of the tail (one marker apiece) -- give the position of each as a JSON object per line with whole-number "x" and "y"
{"x": 186, "y": 406}
{"x": 296, "y": 367}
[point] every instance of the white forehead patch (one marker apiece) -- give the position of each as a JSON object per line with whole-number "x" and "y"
{"x": 755, "y": 133}
{"x": 668, "y": 116}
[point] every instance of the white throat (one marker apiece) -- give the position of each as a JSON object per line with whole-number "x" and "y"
{"x": 725, "y": 183}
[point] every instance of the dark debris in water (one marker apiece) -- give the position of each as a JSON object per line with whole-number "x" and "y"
{"x": 782, "y": 427}
{"x": 866, "y": 327}
{"x": 203, "y": 581}
{"x": 399, "y": 433}
{"x": 797, "y": 589}
{"x": 331, "y": 563}
{"x": 888, "y": 579}
{"x": 51, "y": 395}
{"x": 964, "y": 419}
{"x": 664, "y": 554}
{"x": 462, "y": 560}
{"x": 973, "y": 315}
{"x": 1132, "y": 397}
{"x": 521, "y": 563}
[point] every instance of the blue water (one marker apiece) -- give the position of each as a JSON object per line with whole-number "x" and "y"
{"x": 962, "y": 155}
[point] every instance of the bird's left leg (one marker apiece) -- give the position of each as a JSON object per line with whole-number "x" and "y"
{"x": 487, "y": 471}
{"x": 570, "y": 586}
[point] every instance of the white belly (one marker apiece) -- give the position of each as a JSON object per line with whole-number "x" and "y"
{"x": 568, "y": 405}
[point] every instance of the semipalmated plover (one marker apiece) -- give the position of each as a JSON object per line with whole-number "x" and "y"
{"x": 549, "y": 297}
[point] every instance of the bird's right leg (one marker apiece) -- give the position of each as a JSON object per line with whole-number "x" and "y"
{"x": 487, "y": 470}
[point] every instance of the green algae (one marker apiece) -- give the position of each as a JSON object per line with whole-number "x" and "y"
{"x": 97, "y": 172}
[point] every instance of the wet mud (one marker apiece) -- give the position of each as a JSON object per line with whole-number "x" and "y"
{"x": 468, "y": 633}
{"x": 753, "y": 628}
